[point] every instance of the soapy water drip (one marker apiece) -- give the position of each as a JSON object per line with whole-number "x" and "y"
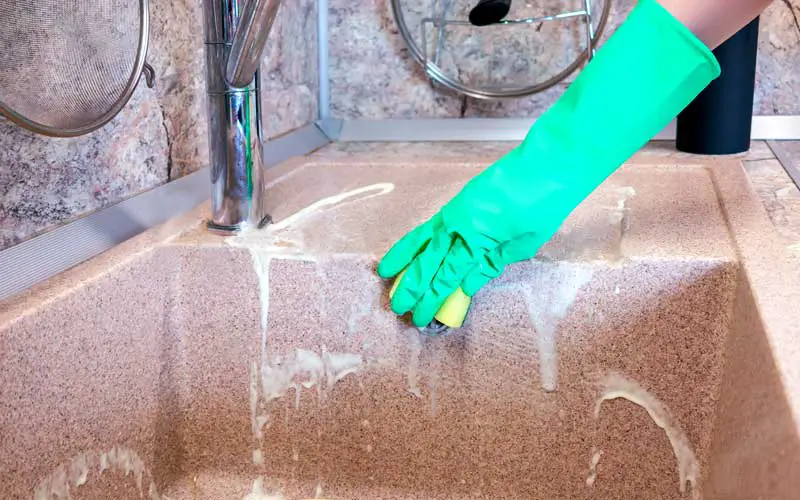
{"x": 256, "y": 419}
{"x": 262, "y": 246}
{"x": 417, "y": 345}
{"x": 84, "y": 466}
{"x": 265, "y": 244}
{"x": 277, "y": 378}
{"x": 298, "y": 370}
{"x": 272, "y": 238}
{"x": 318, "y": 490}
{"x": 302, "y": 368}
{"x": 616, "y": 386}
{"x": 620, "y": 211}
{"x": 261, "y": 263}
{"x": 592, "y": 477}
{"x": 549, "y": 298}
{"x": 415, "y": 350}
{"x": 339, "y": 199}
{"x": 258, "y": 493}
{"x": 434, "y": 376}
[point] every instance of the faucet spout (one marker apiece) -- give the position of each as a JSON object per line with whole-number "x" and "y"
{"x": 251, "y": 36}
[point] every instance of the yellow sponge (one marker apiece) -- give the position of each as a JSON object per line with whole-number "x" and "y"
{"x": 453, "y": 311}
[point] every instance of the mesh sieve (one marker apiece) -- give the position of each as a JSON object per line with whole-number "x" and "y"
{"x": 67, "y": 67}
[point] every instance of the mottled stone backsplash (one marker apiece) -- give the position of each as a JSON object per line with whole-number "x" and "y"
{"x": 161, "y": 134}
{"x": 373, "y": 76}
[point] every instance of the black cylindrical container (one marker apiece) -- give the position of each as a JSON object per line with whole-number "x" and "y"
{"x": 719, "y": 120}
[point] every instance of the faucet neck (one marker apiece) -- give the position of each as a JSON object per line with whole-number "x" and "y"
{"x": 250, "y": 40}
{"x": 234, "y": 127}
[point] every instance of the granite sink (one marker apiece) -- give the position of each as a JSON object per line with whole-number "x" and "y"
{"x": 651, "y": 350}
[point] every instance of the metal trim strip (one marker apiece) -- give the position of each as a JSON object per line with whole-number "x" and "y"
{"x": 331, "y": 127}
{"x": 323, "y": 60}
{"x": 44, "y": 256}
{"x": 53, "y": 252}
{"x": 299, "y": 142}
{"x": 792, "y": 169}
{"x": 785, "y": 127}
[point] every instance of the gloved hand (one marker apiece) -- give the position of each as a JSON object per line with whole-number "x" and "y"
{"x": 646, "y": 73}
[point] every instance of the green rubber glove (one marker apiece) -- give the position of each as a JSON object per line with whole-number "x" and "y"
{"x": 646, "y": 73}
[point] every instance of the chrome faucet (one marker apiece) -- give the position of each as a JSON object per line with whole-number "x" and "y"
{"x": 236, "y": 32}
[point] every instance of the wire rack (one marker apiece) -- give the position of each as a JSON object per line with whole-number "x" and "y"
{"x": 440, "y": 20}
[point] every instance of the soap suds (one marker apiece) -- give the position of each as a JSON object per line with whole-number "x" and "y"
{"x": 434, "y": 375}
{"x": 261, "y": 263}
{"x": 619, "y": 212}
{"x": 272, "y": 238}
{"x": 301, "y": 368}
{"x": 266, "y": 244}
{"x": 415, "y": 351}
{"x": 258, "y": 492}
{"x": 339, "y": 199}
{"x": 592, "y": 476}
{"x": 616, "y": 386}
{"x": 254, "y": 416}
{"x": 338, "y": 366}
{"x": 549, "y": 298}
{"x": 83, "y": 467}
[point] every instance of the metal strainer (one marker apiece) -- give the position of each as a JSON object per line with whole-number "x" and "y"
{"x": 67, "y": 67}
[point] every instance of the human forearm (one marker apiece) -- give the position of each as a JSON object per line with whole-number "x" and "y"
{"x": 714, "y": 21}
{"x": 647, "y": 72}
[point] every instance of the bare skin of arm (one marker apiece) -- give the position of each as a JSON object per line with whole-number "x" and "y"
{"x": 714, "y": 21}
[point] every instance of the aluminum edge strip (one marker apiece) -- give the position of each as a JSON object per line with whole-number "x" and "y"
{"x": 44, "y": 256}
{"x": 53, "y": 252}
{"x": 791, "y": 167}
{"x": 299, "y": 142}
{"x": 514, "y": 129}
{"x": 323, "y": 59}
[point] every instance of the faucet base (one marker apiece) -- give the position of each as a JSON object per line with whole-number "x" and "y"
{"x": 229, "y": 230}
{"x": 223, "y": 229}
{"x": 266, "y": 220}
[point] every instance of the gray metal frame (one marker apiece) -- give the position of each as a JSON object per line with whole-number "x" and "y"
{"x": 506, "y": 129}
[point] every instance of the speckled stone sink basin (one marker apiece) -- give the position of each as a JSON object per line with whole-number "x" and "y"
{"x": 651, "y": 350}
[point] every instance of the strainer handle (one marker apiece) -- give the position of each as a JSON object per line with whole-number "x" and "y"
{"x": 149, "y": 75}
